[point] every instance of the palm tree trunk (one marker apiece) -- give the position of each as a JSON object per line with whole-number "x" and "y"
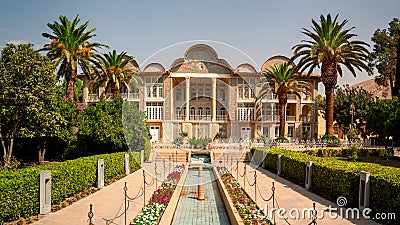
{"x": 329, "y": 108}
{"x": 281, "y": 120}
{"x": 71, "y": 80}
{"x": 281, "y": 104}
{"x": 115, "y": 90}
{"x": 70, "y": 89}
{"x": 329, "y": 79}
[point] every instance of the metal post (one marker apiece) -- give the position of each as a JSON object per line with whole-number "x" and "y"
{"x": 237, "y": 170}
{"x": 244, "y": 177}
{"x": 90, "y": 214}
{"x": 144, "y": 189}
{"x": 231, "y": 164}
{"x": 255, "y": 186}
{"x": 155, "y": 171}
{"x": 125, "y": 190}
{"x": 176, "y": 157}
{"x": 273, "y": 200}
{"x": 164, "y": 169}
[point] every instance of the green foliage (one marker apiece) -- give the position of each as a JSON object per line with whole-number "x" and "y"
{"x": 384, "y": 55}
{"x": 383, "y": 118}
{"x": 112, "y": 69}
{"x": 27, "y": 96}
{"x": 281, "y": 139}
{"x": 331, "y": 140}
{"x": 344, "y": 97}
{"x": 199, "y": 142}
{"x": 348, "y": 152}
{"x": 332, "y": 178}
{"x": 19, "y": 189}
{"x": 69, "y": 48}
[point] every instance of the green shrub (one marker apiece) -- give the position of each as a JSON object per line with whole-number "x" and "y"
{"x": 19, "y": 189}
{"x": 332, "y": 140}
{"x": 332, "y": 178}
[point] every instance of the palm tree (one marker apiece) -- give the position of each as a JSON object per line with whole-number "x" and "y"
{"x": 113, "y": 69}
{"x": 69, "y": 48}
{"x": 280, "y": 79}
{"x": 330, "y": 45}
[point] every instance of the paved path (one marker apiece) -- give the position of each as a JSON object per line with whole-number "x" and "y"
{"x": 190, "y": 210}
{"x": 107, "y": 203}
{"x": 288, "y": 196}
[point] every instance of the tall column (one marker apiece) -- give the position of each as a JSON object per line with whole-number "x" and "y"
{"x": 214, "y": 98}
{"x": 187, "y": 98}
{"x": 85, "y": 91}
{"x": 171, "y": 99}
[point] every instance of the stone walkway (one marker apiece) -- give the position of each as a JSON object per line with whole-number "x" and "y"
{"x": 290, "y": 196}
{"x": 190, "y": 210}
{"x": 107, "y": 204}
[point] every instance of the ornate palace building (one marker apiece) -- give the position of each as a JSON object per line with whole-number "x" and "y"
{"x": 203, "y": 95}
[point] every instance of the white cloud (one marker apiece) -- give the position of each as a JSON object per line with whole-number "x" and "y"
{"x": 16, "y": 42}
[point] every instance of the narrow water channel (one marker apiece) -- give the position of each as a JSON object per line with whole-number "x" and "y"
{"x": 190, "y": 210}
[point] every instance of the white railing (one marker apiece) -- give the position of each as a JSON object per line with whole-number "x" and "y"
{"x": 222, "y": 118}
{"x": 179, "y": 117}
{"x": 200, "y": 117}
{"x": 270, "y": 118}
{"x": 291, "y": 97}
{"x": 305, "y": 119}
{"x": 93, "y": 98}
{"x": 291, "y": 118}
{"x": 130, "y": 96}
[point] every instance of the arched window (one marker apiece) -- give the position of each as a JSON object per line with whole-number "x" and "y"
{"x": 208, "y": 93}
{"x": 200, "y": 93}
{"x": 178, "y": 94}
{"x": 208, "y": 111}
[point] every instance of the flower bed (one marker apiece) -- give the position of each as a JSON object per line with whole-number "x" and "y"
{"x": 247, "y": 209}
{"x": 160, "y": 199}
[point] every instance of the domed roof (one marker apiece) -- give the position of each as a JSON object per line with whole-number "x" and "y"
{"x": 274, "y": 61}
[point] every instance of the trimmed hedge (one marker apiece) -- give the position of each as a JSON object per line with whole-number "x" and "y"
{"x": 332, "y": 178}
{"x": 345, "y": 152}
{"x": 19, "y": 189}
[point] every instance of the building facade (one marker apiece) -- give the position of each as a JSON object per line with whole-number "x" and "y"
{"x": 203, "y": 95}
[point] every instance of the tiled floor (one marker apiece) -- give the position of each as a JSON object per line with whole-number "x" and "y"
{"x": 199, "y": 212}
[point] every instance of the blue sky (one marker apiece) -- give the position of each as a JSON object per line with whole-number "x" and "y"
{"x": 261, "y": 29}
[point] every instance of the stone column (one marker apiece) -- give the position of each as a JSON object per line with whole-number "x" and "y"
{"x": 127, "y": 166}
{"x": 364, "y": 190}
{"x": 187, "y": 98}
{"x": 100, "y": 173}
{"x": 200, "y": 193}
{"x": 308, "y": 175}
{"x": 45, "y": 192}
{"x": 85, "y": 91}
{"x": 214, "y": 98}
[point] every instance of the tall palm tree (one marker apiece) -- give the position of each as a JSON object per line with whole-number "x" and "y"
{"x": 113, "y": 69}
{"x": 330, "y": 46}
{"x": 280, "y": 79}
{"x": 69, "y": 48}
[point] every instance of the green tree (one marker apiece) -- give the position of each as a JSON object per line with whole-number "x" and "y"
{"x": 100, "y": 128}
{"x": 280, "y": 80}
{"x": 383, "y": 118}
{"x": 69, "y": 48}
{"x": 113, "y": 69}
{"x": 27, "y": 92}
{"x": 346, "y": 96}
{"x": 384, "y": 54}
{"x": 330, "y": 46}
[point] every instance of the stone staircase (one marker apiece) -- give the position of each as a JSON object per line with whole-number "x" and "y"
{"x": 171, "y": 155}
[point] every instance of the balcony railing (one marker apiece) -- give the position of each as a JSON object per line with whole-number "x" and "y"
{"x": 93, "y": 98}
{"x": 130, "y": 96}
{"x": 179, "y": 117}
{"x": 222, "y": 118}
{"x": 291, "y": 97}
{"x": 291, "y": 118}
{"x": 270, "y": 118}
{"x": 200, "y": 117}
{"x": 306, "y": 119}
